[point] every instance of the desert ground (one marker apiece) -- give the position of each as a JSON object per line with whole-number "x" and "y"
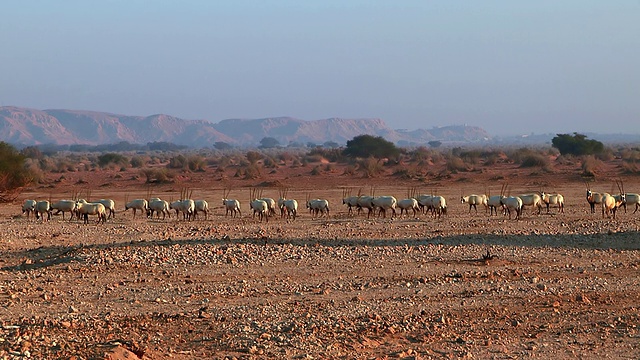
{"x": 467, "y": 285}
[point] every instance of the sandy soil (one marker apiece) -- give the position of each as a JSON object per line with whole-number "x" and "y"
{"x": 465, "y": 286}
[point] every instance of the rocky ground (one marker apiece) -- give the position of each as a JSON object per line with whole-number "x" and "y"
{"x": 465, "y": 286}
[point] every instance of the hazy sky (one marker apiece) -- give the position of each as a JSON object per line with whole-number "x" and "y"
{"x": 506, "y": 66}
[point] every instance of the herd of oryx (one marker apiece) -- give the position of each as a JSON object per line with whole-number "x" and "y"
{"x": 264, "y": 207}
{"x": 103, "y": 209}
{"x": 609, "y": 203}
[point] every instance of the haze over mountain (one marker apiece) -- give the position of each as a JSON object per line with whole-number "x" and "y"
{"x": 26, "y": 126}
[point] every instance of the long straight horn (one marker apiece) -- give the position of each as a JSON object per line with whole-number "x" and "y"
{"x": 620, "y": 186}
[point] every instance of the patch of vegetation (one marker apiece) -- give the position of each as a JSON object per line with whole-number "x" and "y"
{"x": 157, "y": 176}
{"x": 535, "y": 160}
{"x": 365, "y": 146}
{"x": 577, "y": 144}
{"x": 590, "y": 166}
{"x": 370, "y": 167}
{"x": 13, "y": 173}
{"x": 316, "y": 170}
{"x": 456, "y": 164}
{"x": 109, "y": 159}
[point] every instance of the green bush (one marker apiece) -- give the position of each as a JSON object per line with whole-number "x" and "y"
{"x": 137, "y": 161}
{"x": 577, "y": 144}
{"x": 109, "y": 159}
{"x": 364, "y": 146}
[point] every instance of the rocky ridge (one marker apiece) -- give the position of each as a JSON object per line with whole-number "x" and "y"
{"x": 66, "y": 127}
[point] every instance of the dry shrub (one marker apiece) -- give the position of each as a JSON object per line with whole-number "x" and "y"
{"x": 405, "y": 173}
{"x": 590, "y": 166}
{"x": 270, "y": 163}
{"x": 138, "y": 161}
{"x": 157, "y": 176}
{"x": 313, "y": 158}
{"x": 370, "y": 167}
{"x": 534, "y": 159}
{"x": 630, "y": 168}
{"x": 455, "y": 164}
{"x": 567, "y": 159}
{"x": 196, "y": 163}
{"x": 491, "y": 159}
{"x": 349, "y": 170}
{"x": 296, "y": 162}
{"x": 252, "y": 172}
{"x": 316, "y": 170}
{"x": 631, "y": 155}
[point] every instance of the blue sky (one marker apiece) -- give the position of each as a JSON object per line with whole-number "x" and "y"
{"x": 509, "y": 67}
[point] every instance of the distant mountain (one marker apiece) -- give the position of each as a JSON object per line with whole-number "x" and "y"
{"x": 65, "y": 127}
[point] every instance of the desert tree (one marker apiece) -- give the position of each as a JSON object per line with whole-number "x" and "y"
{"x": 576, "y": 144}
{"x": 268, "y": 143}
{"x": 221, "y": 145}
{"x": 13, "y": 174}
{"x": 363, "y": 146}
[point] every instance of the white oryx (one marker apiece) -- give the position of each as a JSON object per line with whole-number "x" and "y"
{"x": 512, "y": 203}
{"x": 230, "y": 205}
{"x": 109, "y": 205}
{"x": 385, "y": 203}
{"x": 350, "y": 201}
{"x": 291, "y": 208}
{"x": 288, "y": 207}
{"x": 553, "y": 199}
{"x": 631, "y": 199}
{"x": 271, "y": 205}
{"x": 158, "y": 206}
{"x": 474, "y": 200}
{"x": 439, "y": 206}
{"x": 137, "y": 204}
{"x": 593, "y": 198}
{"x": 201, "y": 206}
{"x": 43, "y": 207}
{"x": 259, "y": 206}
{"x": 86, "y": 208}
{"x": 425, "y": 202}
{"x": 318, "y": 206}
{"x": 186, "y": 206}
{"x": 494, "y": 202}
{"x": 64, "y": 206}
{"x": 29, "y": 206}
{"x": 534, "y": 200}
{"x": 408, "y": 204}
{"x": 365, "y": 202}
{"x": 611, "y": 203}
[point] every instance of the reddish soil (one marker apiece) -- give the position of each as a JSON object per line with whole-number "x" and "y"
{"x": 550, "y": 285}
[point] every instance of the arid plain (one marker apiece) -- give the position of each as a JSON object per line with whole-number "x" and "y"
{"x": 554, "y": 285}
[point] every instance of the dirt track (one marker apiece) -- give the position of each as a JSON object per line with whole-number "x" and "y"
{"x": 547, "y": 286}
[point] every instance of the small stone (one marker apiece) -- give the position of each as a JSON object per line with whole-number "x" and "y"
{"x": 542, "y": 287}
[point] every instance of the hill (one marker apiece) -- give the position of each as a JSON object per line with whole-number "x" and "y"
{"x": 26, "y": 126}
